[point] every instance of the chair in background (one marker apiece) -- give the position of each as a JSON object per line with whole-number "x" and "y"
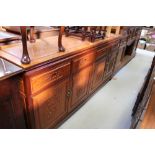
{"x": 34, "y": 32}
{"x": 78, "y": 31}
{"x": 147, "y": 39}
{"x": 97, "y": 32}
{"x": 90, "y": 32}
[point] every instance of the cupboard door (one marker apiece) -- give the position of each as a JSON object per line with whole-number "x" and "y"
{"x": 111, "y": 61}
{"x": 81, "y": 62}
{"x": 120, "y": 55}
{"x": 50, "y": 105}
{"x": 98, "y": 73}
{"x": 7, "y": 116}
{"x": 80, "y": 83}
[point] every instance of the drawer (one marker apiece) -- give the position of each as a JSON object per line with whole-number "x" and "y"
{"x": 48, "y": 76}
{"x": 83, "y": 61}
{"x": 102, "y": 52}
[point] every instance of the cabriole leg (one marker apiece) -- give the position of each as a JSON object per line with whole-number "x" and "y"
{"x": 60, "y": 46}
{"x": 25, "y": 56}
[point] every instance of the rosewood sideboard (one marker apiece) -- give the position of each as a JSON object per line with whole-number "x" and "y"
{"x": 54, "y": 84}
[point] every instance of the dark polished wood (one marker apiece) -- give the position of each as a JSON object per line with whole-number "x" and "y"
{"x": 12, "y": 104}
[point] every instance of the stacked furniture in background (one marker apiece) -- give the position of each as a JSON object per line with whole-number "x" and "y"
{"x": 147, "y": 39}
{"x": 143, "y": 115}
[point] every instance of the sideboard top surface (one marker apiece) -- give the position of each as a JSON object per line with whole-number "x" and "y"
{"x": 46, "y": 50}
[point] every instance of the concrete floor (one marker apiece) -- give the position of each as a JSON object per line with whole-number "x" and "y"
{"x": 111, "y": 106}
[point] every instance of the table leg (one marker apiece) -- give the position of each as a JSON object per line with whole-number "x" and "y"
{"x": 60, "y": 46}
{"x": 84, "y": 31}
{"x": 32, "y": 38}
{"x": 25, "y": 56}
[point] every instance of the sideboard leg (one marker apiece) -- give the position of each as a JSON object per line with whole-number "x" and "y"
{"x": 25, "y": 56}
{"x": 60, "y": 46}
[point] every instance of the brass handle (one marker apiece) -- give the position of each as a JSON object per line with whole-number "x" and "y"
{"x": 69, "y": 93}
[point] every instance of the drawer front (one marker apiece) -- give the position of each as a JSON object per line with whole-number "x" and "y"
{"x": 51, "y": 75}
{"x": 102, "y": 52}
{"x": 83, "y": 61}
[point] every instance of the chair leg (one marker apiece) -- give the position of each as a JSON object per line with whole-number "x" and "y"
{"x": 25, "y": 56}
{"x": 93, "y": 33}
{"x": 67, "y": 31}
{"x": 60, "y": 46}
{"x": 84, "y": 31}
{"x": 100, "y": 29}
{"x": 32, "y": 38}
